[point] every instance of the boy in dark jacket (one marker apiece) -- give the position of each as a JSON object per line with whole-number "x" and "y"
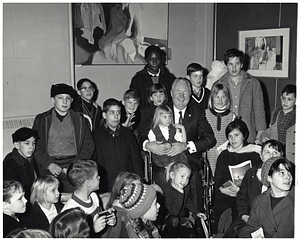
{"x": 116, "y": 147}
{"x": 19, "y": 165}
{"x": 64, "y": 136}
{"x": 153, "y": 72}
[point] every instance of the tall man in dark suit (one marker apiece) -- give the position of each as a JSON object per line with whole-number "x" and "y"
{"x": 200, "y": 136}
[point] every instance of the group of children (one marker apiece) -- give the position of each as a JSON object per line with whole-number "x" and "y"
{"x": 117, "y": 167}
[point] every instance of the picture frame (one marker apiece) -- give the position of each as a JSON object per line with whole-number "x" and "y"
{"x": 266, "y": 51}
{"x": 118, "y": 33}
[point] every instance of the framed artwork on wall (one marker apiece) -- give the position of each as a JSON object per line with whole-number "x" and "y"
{"x": 117, "y": 33}
{"x": 267, "y": 51}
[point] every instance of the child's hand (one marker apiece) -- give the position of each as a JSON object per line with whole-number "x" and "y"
{"x": 230, "y": 191}
{"x": 128, "y": 122}
{"x": 245, "y": 218}
{"x": 201, "y": 215}
{"x": 111, "y": 219}
{"x": 99, "y": 223}
{"x": 55, "y": 169}
{"x": 177, "y": 125}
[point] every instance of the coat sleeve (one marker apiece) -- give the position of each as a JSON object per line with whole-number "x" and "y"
{"x": 243, "y": 200}
{"x": 41, "y": 156}
{"x": 136, "y": 157}
{"x": 253, "y": 223}
{"x": 172, "y": 204}
{"x": 206, "y": 138}
{"x": 259, "y": 107}
{"x": 87, "y": 147}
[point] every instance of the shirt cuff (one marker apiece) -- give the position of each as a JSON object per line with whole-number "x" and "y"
{"x": 191, "y": 147}
{"x": 144, "y": 145}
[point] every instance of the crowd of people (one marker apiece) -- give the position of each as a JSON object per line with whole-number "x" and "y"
{"x": 79, "y": 172}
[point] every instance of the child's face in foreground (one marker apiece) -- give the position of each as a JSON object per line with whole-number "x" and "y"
{"x": 152, "y": 212}
{"x": 86, "y": 91}
{"x": 220, "y": 99}
{"x": 165, "y": 119}
{"x": 130, "y": 105}
{"x": 62, "y": 103}
{"x": 112, "y": 117}
{"x": 236, "y": 138}
{"x": 26, "y": 148}
{"x": 268, "y": 151}
{"x": 196, "y": 78}
{"x": 94, "y": 182}
{"x": 180, "y": 178}
{"x": 158, "y": 98}
{"x": 17, "y": 203}
{"x": 288, "y": 102}
{"x": 281, "y": 180}
{"x": 52, "y": 194}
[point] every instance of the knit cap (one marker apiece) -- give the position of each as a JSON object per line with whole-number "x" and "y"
{"x": 136, "y": 199}
{"x": 23, "y": 134}
{"x": 62, "y": 88}
{"x": 265, "y": 170}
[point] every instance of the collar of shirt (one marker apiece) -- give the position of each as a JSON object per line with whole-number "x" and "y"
{"x": 154, "y": 74}
{"x": 176, "y": 114}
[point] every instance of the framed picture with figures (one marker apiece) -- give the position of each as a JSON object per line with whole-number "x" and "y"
{"x": 117, "y": 33}
{"x": 266, "y": 51}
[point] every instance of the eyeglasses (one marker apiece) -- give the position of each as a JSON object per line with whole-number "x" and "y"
{"x": 84, "y": 89}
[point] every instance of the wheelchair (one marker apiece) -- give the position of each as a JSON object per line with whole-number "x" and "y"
{"x": 207, "y": 183}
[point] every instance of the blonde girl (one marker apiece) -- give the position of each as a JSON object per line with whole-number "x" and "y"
{"x": 45, "y": 200}
{"x": 178, "y": 201}
{"x": 165, "y": 131}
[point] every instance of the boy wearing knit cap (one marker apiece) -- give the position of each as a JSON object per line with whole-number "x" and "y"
{"x": 140, "y": 203}
{"x": 19, "y": 165}
{"x": 65, "y": 136}
{"x": 272, "y": 213}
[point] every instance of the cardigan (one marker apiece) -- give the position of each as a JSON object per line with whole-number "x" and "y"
{"x": 220, "y": 136}
{"x": 251, "y": 103}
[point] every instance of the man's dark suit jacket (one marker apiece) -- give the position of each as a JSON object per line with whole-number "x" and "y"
{"x": 197, "y": 129}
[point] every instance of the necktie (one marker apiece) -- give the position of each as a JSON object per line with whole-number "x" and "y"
{"x": 180, "y": 118}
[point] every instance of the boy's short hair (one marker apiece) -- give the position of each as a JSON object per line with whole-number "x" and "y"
{"x": 274, "y": 144}
{"x": 10, "y": 188}
{"x": 193, "y": 67}
{"x": 158, "y": 87}
{"x": 40, "y": 186}
{"x": 24, "y": 133}
{"x": 82, "y": 80}
{"x": 288, "y": 89}
{"x": 132, "y": 93}
{"x": 272, "y": 165}
{"x": 81, "y": 170}
{"x": 152, "y": 48}
{"x": 110, "y": 102}
{"x": 231, "y": 53}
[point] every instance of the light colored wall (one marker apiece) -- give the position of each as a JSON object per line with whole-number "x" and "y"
{"x": 190, "y": 39}
{"x": 36, "y": 54}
